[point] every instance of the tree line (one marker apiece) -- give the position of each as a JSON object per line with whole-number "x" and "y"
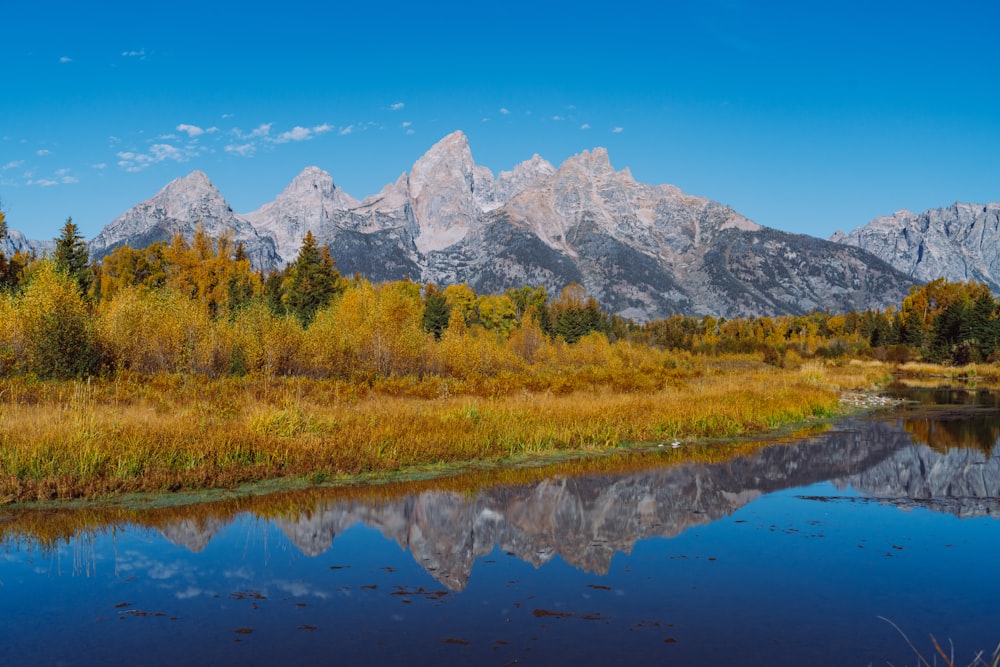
{"x": 199, "y": 306}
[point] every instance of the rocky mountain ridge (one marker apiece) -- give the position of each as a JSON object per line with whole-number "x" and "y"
{"x": 959, "y": 242}
{"x": 644, "y": 251}
{"x": 180, "y": 207}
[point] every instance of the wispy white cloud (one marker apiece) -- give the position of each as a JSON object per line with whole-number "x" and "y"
{"x": 411, "y": 131}
{"x": 140, "y": 54}
{"x": 398, "y": 106}
{"x": 558, "y": 118}
{"x": 190, "y": 141}
{"x": 60, "y": 177}
{"x": 99, "y": 165}
{"x": 191, "y": 130}
{"x": 65, "y": 59}
{"x": 505, "y": 111}
{"x": 585, "y": 126}
{"x": 406, "y": 123}
{"x": 13, "y": 164}
{"x": 132, "y": 161}
{"x": 344, "y": 131}
{"x": 42, "y": 152}
{"x": 299, "y": 133}
{"x": 262, "y": 130}
{"x": 243, "y": 150}
{"x": 618, "y": 130}
{"x": 485, "y": 119}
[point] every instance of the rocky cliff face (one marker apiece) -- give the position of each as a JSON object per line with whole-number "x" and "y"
{"x": 644, "y": 251}
{"x": 308, "y": 204}
{"x": 15, "y": 242}
{"x": 960, "y": 242}
{"x": 180, "y": 207}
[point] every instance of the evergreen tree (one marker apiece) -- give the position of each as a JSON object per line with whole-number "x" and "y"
{"x": 240, "y": 283}
{"x": 436, "y": 310}
{"x": 313, "y": 281}
{"x": 980, "y": 326}
{"x": 946, "y": 332}
{"x": 574, "y": 314}
{"x": 71, "y": 256}
{"x": 911, "y": 330}
{"x": 274, "y": 292}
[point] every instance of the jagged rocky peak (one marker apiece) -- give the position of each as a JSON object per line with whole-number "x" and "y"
{"x": 192, "y": 192}
{"x": 309, "y": 202}
{"x": 318, "y": 183}
{"x": 15, "y": 242}
{"x": 594, "y": 164}
{"x": 443, "y": 191}
{"x": 959, "y": 242}
{"x": 181, "y": 207}
{"x": 523, "y": 176}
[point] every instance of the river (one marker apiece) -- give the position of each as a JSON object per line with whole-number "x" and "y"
{"x": 817, "y": 551}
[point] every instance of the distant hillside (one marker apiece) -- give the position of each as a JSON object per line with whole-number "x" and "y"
{"x": 960, "y": 242}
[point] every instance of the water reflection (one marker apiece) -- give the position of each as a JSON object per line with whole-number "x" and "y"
{"x": 947, "y": 418}
{"x": 681, "y": 550}
{"x": 586, "y": 520}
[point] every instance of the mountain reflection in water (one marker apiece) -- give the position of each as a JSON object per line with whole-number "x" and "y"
{"x": 783, "y": 556}
{"x": 586, "y": 520}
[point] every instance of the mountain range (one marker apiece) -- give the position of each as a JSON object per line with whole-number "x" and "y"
{"x": 960, "y": 242}
{"x": 644, "y": 251}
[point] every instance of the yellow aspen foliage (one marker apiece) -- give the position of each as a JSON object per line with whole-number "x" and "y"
{"x": 176, "y": 333}
{"x": 264, "y": 344}
{"x": 369, "y": 332}
{"x": 497, "y": 313}
{"x": 126, "y": 266}
{"x": 12, "y": 342}
{"x": 213, "y": 272}
{"x": 472, "y": 352}
{"x": 463, "y": 299}
{"x": 54, "y": 325}
{"x": 527, "y": 339}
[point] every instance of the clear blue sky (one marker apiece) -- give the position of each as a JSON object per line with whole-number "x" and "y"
{"x": 804, "y": 116}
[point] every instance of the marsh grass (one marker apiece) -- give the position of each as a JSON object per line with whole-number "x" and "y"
{"x": 978, "y": 374}
{"x": 181, "y": 432}
{"x": 980, "y": 659}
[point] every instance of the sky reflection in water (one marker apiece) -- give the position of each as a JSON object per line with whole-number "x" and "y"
{"x": 785, "y": 557}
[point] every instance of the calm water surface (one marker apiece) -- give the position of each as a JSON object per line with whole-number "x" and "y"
{"x": 788, "y": 556}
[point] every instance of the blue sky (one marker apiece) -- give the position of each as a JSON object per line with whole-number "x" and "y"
{"x": 804, "y": 116}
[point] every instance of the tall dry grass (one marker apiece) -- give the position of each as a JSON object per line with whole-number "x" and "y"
{"x": 183, "y": 431}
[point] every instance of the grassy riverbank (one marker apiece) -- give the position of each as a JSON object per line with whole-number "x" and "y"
{"x": 77, "y": 439}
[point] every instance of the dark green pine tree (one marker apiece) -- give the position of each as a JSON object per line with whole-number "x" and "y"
{"x": 71, "y": 255}
{"x": 946, "y": 332}
{"x": 436, "y": 311}
{"x": 313, "y": 281}
{"x": 239, "y": 289}
{"x": 274, "y": 292}
{"x": 980, "y": 325}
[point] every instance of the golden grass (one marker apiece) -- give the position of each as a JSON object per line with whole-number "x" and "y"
{"x": 988, "y": 374}
{"x": 171, "y": 432}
